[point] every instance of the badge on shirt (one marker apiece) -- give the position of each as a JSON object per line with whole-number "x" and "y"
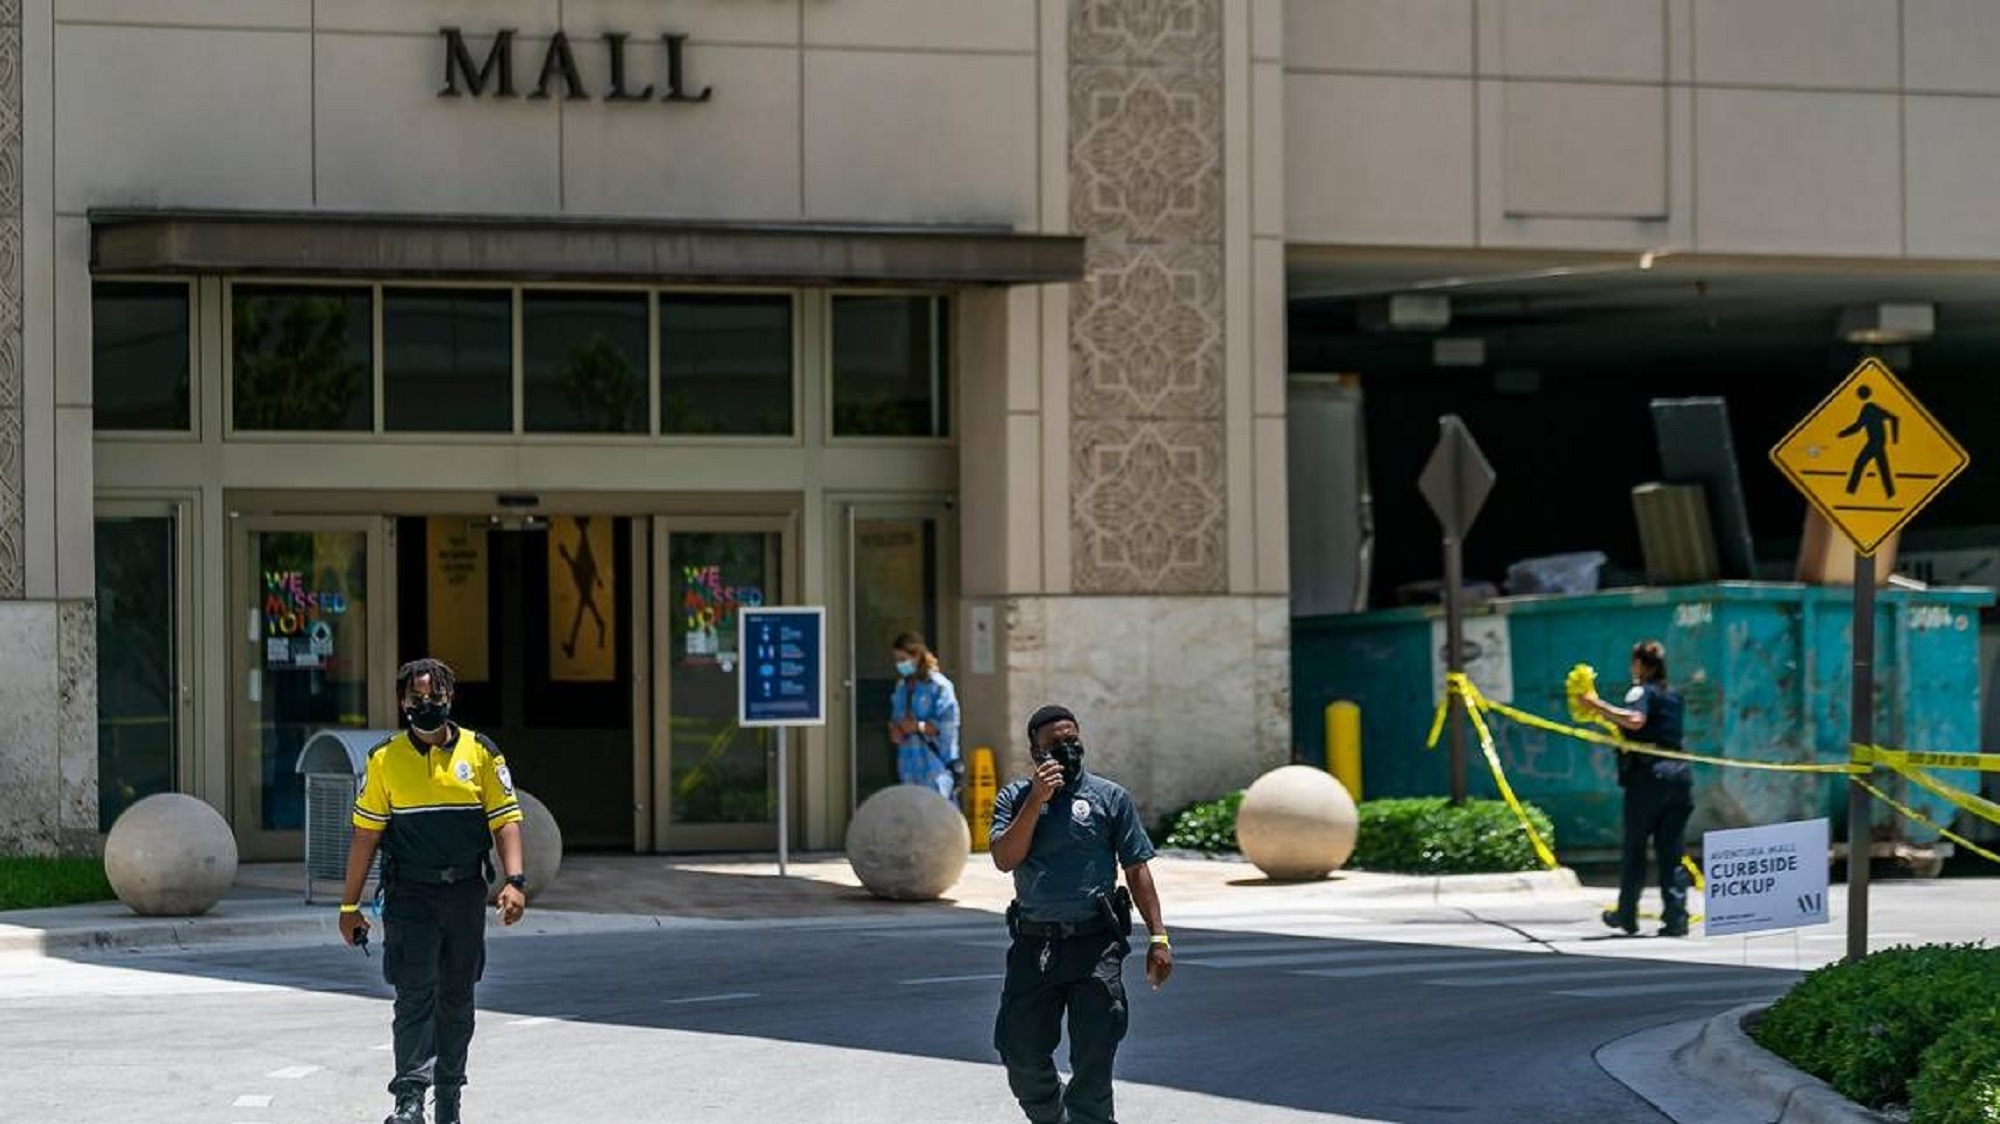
{"x": 1635, "y": 694}
{"x": 506, "y": 779}
{"x": 1079, "y": 810}
{"x": 464, "y": 772}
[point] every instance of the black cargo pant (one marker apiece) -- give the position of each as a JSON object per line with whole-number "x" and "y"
{"x": 434, "y": 950}
{"x": 1085, "y": 979}
{"x": 1658, "y": 803}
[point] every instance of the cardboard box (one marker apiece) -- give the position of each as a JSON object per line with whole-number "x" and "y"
{"x": 1675, "y": 534}
{"x": 1826, "y": 557}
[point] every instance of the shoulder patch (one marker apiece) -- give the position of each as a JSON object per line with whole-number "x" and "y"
{"x": 1635, "y": 694}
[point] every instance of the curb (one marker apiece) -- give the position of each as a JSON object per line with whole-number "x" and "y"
{"x": 1725, "y": 1050}
{"x": 181, "y": 933}
{"x": 1562, "y": 880}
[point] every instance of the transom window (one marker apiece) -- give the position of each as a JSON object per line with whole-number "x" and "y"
{"x": 469, "y": 360}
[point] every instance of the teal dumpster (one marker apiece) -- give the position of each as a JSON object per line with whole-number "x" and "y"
{"x": 1764, "y": 668}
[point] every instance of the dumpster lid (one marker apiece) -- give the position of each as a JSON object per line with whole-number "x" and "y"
{"x": 341, "y": 750}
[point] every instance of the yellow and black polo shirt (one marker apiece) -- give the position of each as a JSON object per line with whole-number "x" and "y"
{"x": 439, "y": 805}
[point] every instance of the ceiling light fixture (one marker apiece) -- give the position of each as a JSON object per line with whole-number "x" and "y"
{"x": 1888, "y": 323}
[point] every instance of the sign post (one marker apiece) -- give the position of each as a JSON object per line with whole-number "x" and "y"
{"x": 1456, "y": 480}
{"x": 781, "y": 683}
{"x": 1869, "y": 457}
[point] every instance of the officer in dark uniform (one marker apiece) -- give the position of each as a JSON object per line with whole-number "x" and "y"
{"x": 435, "y": 800}
{"x": 1659, "y": 793}
{"x": 1064, "y": 834}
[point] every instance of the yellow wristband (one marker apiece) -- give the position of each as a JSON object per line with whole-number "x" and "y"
{"x": 345, "y": 908}
{"x": 1161, "y": 940}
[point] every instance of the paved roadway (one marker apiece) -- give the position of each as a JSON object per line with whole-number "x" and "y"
{"x": 1394, "y": 1015}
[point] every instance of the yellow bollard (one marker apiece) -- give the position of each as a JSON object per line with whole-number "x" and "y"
{"x": 1343, "y": 746}
{"x": 984, "y": 787}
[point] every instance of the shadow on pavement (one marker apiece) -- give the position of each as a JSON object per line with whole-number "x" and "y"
{"x": 1403, "y": 1033}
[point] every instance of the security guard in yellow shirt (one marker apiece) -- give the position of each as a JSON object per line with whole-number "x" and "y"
{"x": 434, "y": 799}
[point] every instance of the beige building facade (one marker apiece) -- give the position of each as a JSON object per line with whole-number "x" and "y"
{"x": 333, "y": 331}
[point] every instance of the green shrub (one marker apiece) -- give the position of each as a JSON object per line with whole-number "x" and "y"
{"x": 36, "y": 883}
{"x": 1863, "y": 1027}
{"x": 1426, "y": 835}
{"x": 1958, "y": 1079}
{"x": 1208, "y": 826}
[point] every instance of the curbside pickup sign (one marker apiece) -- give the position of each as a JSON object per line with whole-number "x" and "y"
{"x": 1763, "y": 878}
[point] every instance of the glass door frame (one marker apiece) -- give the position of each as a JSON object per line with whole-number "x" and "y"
{"x": 256, "y": 843}
{"x": 668, "y": 835}
{"x": 179, "y": 511}
{"x": 847, "y": 651}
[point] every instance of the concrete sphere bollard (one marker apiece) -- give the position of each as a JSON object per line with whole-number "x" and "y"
{"x": 170, "y": 855}
{"x": 542, "y": 844}
{"x": 1297, "y": 822}
{"x": 907, "y": 843}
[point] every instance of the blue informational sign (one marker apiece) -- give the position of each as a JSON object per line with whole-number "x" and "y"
{"x": 783, "y": 676}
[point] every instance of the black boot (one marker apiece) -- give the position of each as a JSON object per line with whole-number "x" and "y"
{"x": 447, "y": 1105}
{"x": 1613, "y": 919}
{"x": 409, "y": 1109}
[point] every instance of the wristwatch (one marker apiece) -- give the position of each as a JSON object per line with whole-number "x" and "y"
{"x": 518, "y": 881}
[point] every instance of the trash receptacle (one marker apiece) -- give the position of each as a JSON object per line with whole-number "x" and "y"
{"x": 334, "y": 764}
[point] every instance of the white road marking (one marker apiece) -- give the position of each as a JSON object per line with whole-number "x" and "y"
{"x": 1400, "y": 969}
{"x": 1631, "y": 970}
{"x": 1733, "y": 983}
{"x": 954, "y": 979}
{"x": 383, "y": 1048}
{"x": 1360, "y": 955}
{"x": 293, "y": 1072}
{"x": 538, "y": 1020}
{"x": 712, "y": 998}
{"x": 253, "y": 1100}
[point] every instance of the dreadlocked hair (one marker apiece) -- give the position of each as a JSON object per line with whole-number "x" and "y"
{"x": 443, "y": 679}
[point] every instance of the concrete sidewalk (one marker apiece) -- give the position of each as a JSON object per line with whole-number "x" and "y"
{"x": 605, "y": 893}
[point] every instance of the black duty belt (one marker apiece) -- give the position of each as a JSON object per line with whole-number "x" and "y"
{"x": 437, "y": 876}
{"x": 1059, "y": 929}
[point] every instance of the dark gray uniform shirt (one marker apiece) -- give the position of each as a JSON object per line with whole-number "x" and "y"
{"x": 1086, "y": 833}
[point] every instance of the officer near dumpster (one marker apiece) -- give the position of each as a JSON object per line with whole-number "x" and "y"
{"x": 1659, "y": 793}
{"x": 1064, "y": 834}
{"x": 436, "y": 798}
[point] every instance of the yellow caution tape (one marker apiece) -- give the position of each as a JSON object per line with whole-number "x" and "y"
{"x": 1897, "y": 758}
{"x": 1582, "y": 682}
{"x": 1475, "y": 701}
{"x": 1927, "y": 821}
{"x": 1694, "y": 872}
{"x": 1965, "y": 801}
{"x": 1542, "y": 850}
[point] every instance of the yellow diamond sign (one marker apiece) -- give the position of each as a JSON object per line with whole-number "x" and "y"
{"x": 1870, "y": 456}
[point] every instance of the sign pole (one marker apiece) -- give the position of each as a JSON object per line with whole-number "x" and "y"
{"x": 784, "y": 806}
{"x": 782, "y": 684}
{"x": 1868, "y": 457}
{"x": 1862, "y": 717}
{"x": 1454, "y": 661}
{"x": 1456, "y": 481}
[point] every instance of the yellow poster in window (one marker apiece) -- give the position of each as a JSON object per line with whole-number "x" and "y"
{"x": 456, "y": 596}
{"x": 583, "y": 600}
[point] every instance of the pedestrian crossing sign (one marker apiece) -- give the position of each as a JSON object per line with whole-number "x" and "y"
{"x": 1870, "y": 456}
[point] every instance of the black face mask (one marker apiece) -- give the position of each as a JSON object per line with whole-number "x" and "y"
{"x": 428, "y": 717}
{"x": 1069, "y": 754}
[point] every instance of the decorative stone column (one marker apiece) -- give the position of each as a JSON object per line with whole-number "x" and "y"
{"x": 48, "y": 633}
{"x": 1167, "y": 634}
{"x": 13, "y": 522}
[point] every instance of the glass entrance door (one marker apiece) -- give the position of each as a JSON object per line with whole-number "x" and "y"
{"x": 714, "y": 782}
{"x": 896, "y": 563}
{"x": 143, "y": 694}
{"x": 310, "y": 595}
